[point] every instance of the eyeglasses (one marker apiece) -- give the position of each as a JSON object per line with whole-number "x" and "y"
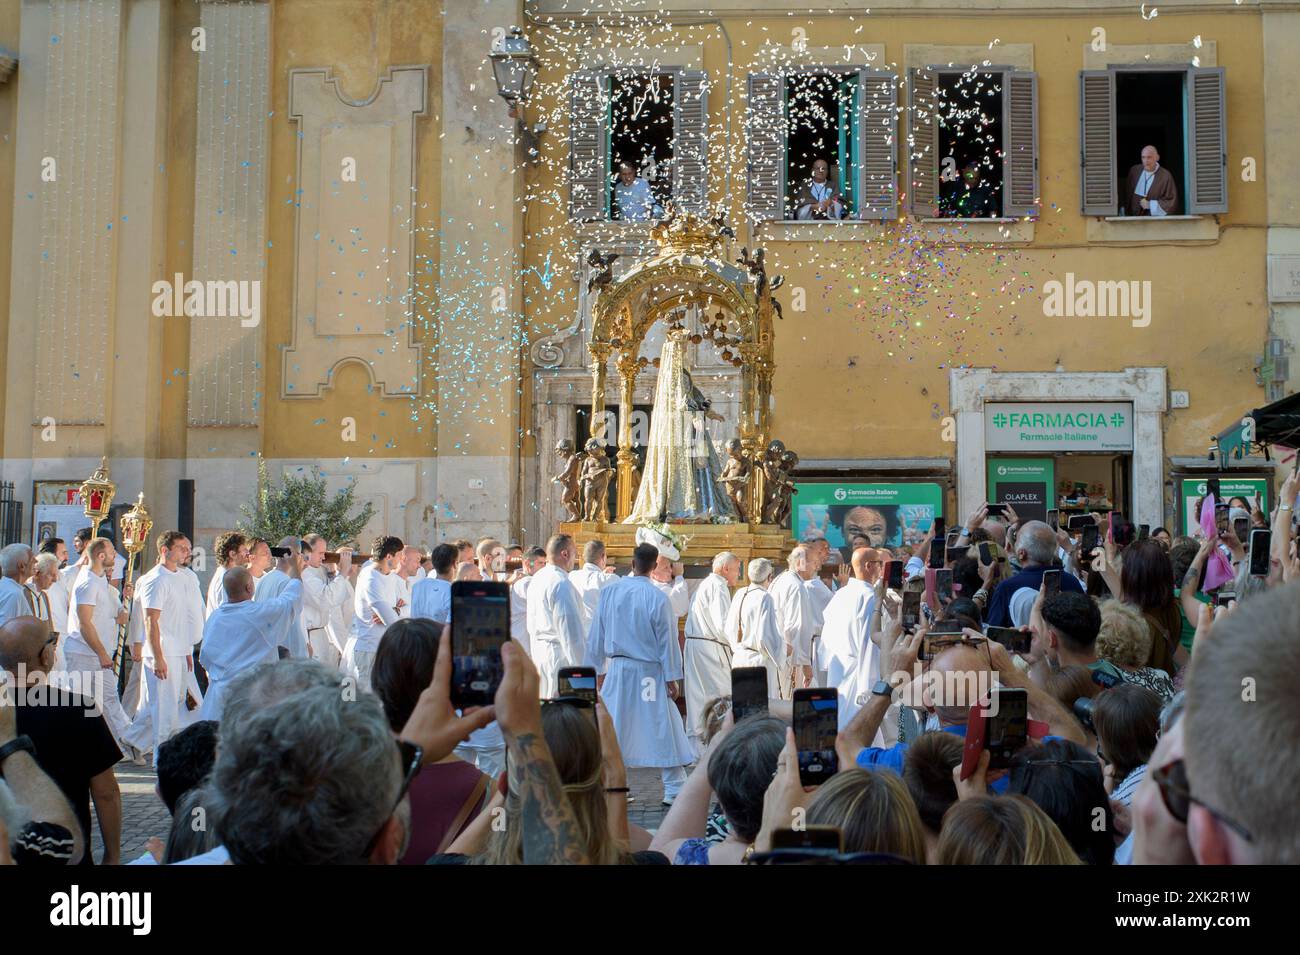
{"x": 412, "y": 758}
{"x": 1171, "y": 780}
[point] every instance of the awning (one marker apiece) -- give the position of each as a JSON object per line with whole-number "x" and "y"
{"x": 1276, "y": 424}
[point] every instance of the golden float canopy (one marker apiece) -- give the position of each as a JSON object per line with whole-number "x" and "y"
{"x": 687, "y": 270}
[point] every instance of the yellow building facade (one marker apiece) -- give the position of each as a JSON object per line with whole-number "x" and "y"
{"x": 410, "y": 306}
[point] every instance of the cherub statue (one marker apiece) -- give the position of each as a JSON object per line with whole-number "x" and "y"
{"x": 785, "y": 489}
{"x": 773, "y": 478}
{"x": 723, "y": 228}
{"x": 602, "y": 269}
{"x": 595, "y": 476}
{"x": 755, "y": 267}
{"x": 777, "y": 282}
{"x": 568, "y": 478}
{"x": 735, "y": 477}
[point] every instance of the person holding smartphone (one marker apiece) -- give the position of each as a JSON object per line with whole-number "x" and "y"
{"x": 1013, "y": 599}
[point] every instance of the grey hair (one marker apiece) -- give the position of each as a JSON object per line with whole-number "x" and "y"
{"x": 1038, "y": 541}
{"x": 307, "y": 780}
{"x": 255, "y": 689}
{"x": 799, "y": 559}
{"x": 13, "y": 555}
{"x": 721, "y": 561}
{"x": 45, "y": 562}
{"x": 1248, "y": 585}
{"x": 759, "y": 570}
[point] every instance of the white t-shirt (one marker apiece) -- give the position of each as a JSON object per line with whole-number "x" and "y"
{"x": 13, "y": 600}
{"x": 93, "y": 590}
{"x": 377, "y": 592}
{"x": 177, "y": 595}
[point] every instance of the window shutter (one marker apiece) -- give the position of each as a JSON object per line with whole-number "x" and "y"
{"x": 923, "y": 142}
{"x": 1097, "y": 175}
{"x": 691, "y": 141}
{"x": 1020, "y": 144}
{"x": 1207, "y": 189}
{"x": 588, "y": 136}
{"x": 765, "y": 141}
{"x": 877, "y": 185}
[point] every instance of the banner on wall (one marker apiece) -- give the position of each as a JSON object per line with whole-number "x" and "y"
{"x": 1058, "y": 426}
{"x": 1027, "y": 484}
{"x": 1192, "y": 489}
{"x": 58, "y": 520}
{"x": 887, "y": 515}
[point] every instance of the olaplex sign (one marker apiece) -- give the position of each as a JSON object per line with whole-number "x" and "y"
{"x": 1059, "y": 426}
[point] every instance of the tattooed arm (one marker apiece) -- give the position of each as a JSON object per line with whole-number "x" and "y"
{"x": 1191, "y": 581}
{"x": 550, "y": 829}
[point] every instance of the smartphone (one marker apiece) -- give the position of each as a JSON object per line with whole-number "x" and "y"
{"x": 952, "y": 538}
{"x": 986, "y": 552}
{"x": 330, "y": 558}
{"x": 936, "y": 552}
{"x": 1051, "y": 582}
{"x": 1222, "y": 599}
{"x": 1242, "y": 526}
{"x": 943, "y": 634}
{"x": 281, "y": 551}
{"x": 578, "y": 682}
{"x": 943, "y": 587}
{"x": 1078, "y": 522}
{"x": 945, "y": 628}
{"x": 1016, "y": 641}
{"x": 816, "y": 724}
{"x": 911, "y": 610}
{"x": 1054, "y": 519}
{"x": 480, "y": 626}
{"x": 808, "y": 837}
{"x": 748, "y": 692}
{"x": 513, "y": 565}
{"x": 894, "y": 581}
{"x": 1212, "y": 489}
{"x": 1006, "y": 725}
{"x": 1144, "y": 531}
{"x": 1260, "y": 541}
{"x": 957, "y": 553}
{"x": 1091, "y": 538}
{"x": 1220, "y": 518}
{"x": 998, "y": 510}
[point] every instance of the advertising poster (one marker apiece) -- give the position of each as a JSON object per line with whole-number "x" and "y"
{"x": 884, "y": 515}
{"x": 1193, "y": 489}
{"x": 1027, "y": 484}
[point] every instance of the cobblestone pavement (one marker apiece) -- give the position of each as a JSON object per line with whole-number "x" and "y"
{"x": 144, "y": 815}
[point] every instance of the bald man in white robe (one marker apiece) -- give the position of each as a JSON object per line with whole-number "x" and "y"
{"x": 752, "y": 630}
{"x": 708, "y": 654}
{"x": 852, "y": 658}
{"x": 795, "y": 619}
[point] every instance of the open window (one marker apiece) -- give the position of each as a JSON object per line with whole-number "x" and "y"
{"x": 1157, "y": 130}
{"x": 821, "y": 144}
{"x": 973, "y": 143}
{"x": 638, "y": 140}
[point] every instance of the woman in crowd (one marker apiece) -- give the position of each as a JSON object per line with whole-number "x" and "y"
{"x": 1065, "y": 781}
{"x": 737, "y": 766}
{"x": 1125, "y": 641}
{"x": 873, "y": 812}
{"x": 1146, "y": 582}
{"x": 447, "y": 795}
{"x": 1001, "y": 830}
{"x": 1127, "y": 719}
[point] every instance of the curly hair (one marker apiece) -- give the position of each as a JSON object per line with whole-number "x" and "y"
{"x": 1125, "y": 635}
{"x": 227, "y": 545}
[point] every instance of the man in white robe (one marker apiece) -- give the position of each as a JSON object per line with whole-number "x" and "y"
{"x": 533, "y": 560}
{"x": 667, "y": 576}
{"x": 751, "y": 627}
{"x": 555, "y": 616}
{"x": 231, "y": 550}
{"x": 590, "y": 579}
{"x": 633, "y": 646}
{"x": 795, "y": 619}
{"x": 173, "y": 612}
{"x": 820, "y": 593}
{"x": 852, "y": 657}
{"x": 377, "y": 604}
{"x": 708, "y": 654}
{"x": 95, "y": 615}
{"x": 324, "y": 588}
{"x": 242, "y": 633}
{"x": 293, "y": 634}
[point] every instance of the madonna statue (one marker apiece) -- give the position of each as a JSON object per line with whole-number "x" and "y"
{"x": 680, "y": 480}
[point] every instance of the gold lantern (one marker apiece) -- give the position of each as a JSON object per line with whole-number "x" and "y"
{"x": 134, "y": 526}
{"x": 97, "y": 496}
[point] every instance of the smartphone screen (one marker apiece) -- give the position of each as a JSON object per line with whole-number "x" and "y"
{"x": 1222, "y": 599}
{"x": 1078, "y": 522}
{"x": 748, "y": 692}
{"x": 577, "y": 681}
{"x": 936, "y": 551}
{"x": 1091, "y": 537}
{"x": 1051, "y": 582}
{"x": 808, "y": 837}
{"x": 1221, "y": 518}
{"x": 816, "y": 723}
{"x": 1260, "y": 540}
{"x": 957, "y": 553}
{"x": 895, "y": 579}
{"x": 1242, "y": 526}
{"x": 1007, "y": 726}
{"x": 1144, "y": 531}
{"x": 986, "y": 553}
{"x": 911, "y": 610}
{"x": 480, "y": 626}
{"x": 943, "y": 587}
{"x": 998, "y": 510}
{"x": 1054, "y": 520}
{"x": 1016, "y": 641}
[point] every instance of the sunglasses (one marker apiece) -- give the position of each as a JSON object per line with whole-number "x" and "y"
{"x": 412, "y": 758}
{"x": 1171, "y": 780}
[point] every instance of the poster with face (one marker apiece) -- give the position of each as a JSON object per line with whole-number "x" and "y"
{"x": 1237, "y": 491}
{"x": 866, "y": 515}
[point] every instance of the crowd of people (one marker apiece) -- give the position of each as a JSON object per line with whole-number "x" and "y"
{"x": 301, "y": 708}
